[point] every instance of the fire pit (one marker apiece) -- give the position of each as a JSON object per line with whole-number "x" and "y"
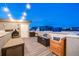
{"x": 15, "y": 34}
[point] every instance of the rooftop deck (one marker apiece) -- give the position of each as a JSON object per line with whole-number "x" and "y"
{"x": 33, "y": 48}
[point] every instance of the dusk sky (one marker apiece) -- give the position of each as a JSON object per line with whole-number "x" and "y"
{"x": 53, "y": 14}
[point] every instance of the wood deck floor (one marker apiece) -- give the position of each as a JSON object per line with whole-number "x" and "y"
{"x": 33, "y": 48}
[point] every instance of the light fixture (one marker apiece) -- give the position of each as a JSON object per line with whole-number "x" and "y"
{"x": 9, "y": 15}
{"x": 5, "y": 9}
{"x": 28, "y": 6}
{"x": 23, "y": 18}
{"x": 24, "y": 14}
{"x": 11, "y": 18}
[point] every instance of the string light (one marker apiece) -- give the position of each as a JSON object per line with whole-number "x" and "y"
{"x": 5, "y": 9}
{"x": 9, "y": 15}
{"x": 24, "y": 14}
{"x": 28, "y": 6}
{"x": 23, "y": 17}
{"x": 11, "y": 18}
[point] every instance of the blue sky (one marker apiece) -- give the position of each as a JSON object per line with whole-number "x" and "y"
{"x": 53, "y": 14}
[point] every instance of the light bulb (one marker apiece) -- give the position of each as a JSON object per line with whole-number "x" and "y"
{"x": 9, "y": 15}
{"x": 21, "y": 20}
{"x": 23, "y": 17}
{"x": 11, "y": 19}
{"x": 28, "y": 6}
{"x": 24, "y": 14}
{"x": 5, "y": 9}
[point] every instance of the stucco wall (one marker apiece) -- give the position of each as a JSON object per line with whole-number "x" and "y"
{"x": 6, "y": 25}
{"x": 72, "y": 46}
{"x": 11, "y": 25}
{"x": 24, "y": 30}
{"x": 24, "y": 27}
{"x": 1, "y": 26}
